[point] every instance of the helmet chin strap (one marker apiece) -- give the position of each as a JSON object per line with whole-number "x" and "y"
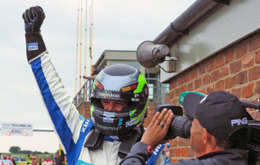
{"x": 126, "y": 145}
{"x": 96, "y": 139}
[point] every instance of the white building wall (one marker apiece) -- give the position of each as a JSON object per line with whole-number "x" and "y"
{"x": 227, "y": 25}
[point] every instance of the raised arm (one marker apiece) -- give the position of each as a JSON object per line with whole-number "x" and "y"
{"x": 64, "y": 115}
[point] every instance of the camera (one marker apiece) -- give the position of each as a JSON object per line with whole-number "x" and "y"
{"x": 180, "y": 125}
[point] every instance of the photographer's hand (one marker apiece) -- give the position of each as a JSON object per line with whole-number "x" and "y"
{"x": 158, "y": 128}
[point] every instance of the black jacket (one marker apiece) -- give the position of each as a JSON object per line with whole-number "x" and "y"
{"x": 138, "y": 156}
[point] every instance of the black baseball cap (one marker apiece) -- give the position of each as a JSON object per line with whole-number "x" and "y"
{"x": 221, "y": 113}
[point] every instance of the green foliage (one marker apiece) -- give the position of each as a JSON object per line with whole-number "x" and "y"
{"x": 14, "y": 149}
{"x": 17, "y": 149}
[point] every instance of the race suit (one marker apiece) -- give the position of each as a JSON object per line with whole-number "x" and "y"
{"x": 71, "y": 127}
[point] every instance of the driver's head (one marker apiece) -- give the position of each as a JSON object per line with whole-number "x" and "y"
{"x": 118, "y": 100}
{"x": 219, "y": 114}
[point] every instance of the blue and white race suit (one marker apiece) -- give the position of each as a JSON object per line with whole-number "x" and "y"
{"x": 71, "y": 128}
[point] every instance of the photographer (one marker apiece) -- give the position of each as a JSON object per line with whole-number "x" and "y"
{"x": 218, "y": 132}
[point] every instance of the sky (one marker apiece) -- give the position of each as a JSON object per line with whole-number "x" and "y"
{"x": 117, "y": 25}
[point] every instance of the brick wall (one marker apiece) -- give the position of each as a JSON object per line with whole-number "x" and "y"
{"x": 235, "y": 69}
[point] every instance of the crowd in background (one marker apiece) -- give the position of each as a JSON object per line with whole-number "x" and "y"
{"x": 34, "y": 159}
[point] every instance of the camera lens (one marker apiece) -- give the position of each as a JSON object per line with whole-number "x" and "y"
{"x": 180, "y": 126}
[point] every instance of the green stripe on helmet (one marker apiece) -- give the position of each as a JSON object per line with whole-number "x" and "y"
{"x": 141, "y": 82}
{"x": 132, "y": 112}
{"x": 94, "y": 86}
{"x": 92, "y": 108}
{"x": 141, "y": 114}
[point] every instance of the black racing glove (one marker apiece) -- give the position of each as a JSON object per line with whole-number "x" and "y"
{"x": 33, "y": 19}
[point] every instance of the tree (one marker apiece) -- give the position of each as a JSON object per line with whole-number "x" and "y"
{"x": 14, "y": 149}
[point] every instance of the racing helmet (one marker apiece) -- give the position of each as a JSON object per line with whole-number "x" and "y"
{"x": 119, "y": 82}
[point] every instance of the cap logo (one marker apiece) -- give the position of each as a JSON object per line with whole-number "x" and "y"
{"x": 204, "y": 98}
{"x": 238, "y": 122}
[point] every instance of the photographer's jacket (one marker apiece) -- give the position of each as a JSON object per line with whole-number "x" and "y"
{"x": 71, "y": 128}
{"x": 138, "y": 156}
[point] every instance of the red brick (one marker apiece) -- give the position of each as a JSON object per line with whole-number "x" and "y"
{"x": 174, "y": 160}
{"x": 210, "y": 64}
{"x": 174, "y": 142}
{"x": 191, "y": 153}
{"x": 230, "y": 82}
{"x": 171, "y": 94}
{"x": 186, "y": 77}
{"x": 224, "y": 71}
{"x": 180, "y": 80}
{"x": 237, "y": 92}
{"x": 241, "y": 77}
{"x": 229, "y": 56}
{"x": 167, "y": 100}
{"x": 173, "y": 84}
{"x": 202, "y": 91}
{"x": 180, "y": 152}
{"x": 206, "y": 79}
{"x": 202, "y": 69}
{"x": 220, "y": 85}
{"x": 254, "y": 73}
{"x": 235, "y": 67}
{"x": 183, "y": 142}
{"x": 210, "y": 88}
{"x": 241, "y": 50}
{"x": 257, "y": 57}
{"x": 254, "y": 44}
{"x": 151, "y": 108}
{"x": 248, "y": 60}
{"x": 219, "y": 61}
{"x": 214, "y": 76}
{"x": 177, "y": 152}
{"x": 197, "y": 83}
{"x": 190, "y": 86}
{"x": 183, "y": 88}
{"x": 175, "y": 101}
{"x": 247, "y": 91}
{"x": 194, "y": 73}
{"x": 257, "y": 88}
{"x": 177, "y": 92}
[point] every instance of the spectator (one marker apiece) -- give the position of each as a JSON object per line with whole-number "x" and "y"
{"x": 215, "y": 134}
{"x": 4, "y": 157}
{"x": 28, "y": 159}
{"x": 95, "y": 72}
{"x": 47, "y": 161}
{"x": 118, "y": 105}
{"x": 40, "y": 161}
{"x": 58, "y": 159}
{"x": 35, "y": 160}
